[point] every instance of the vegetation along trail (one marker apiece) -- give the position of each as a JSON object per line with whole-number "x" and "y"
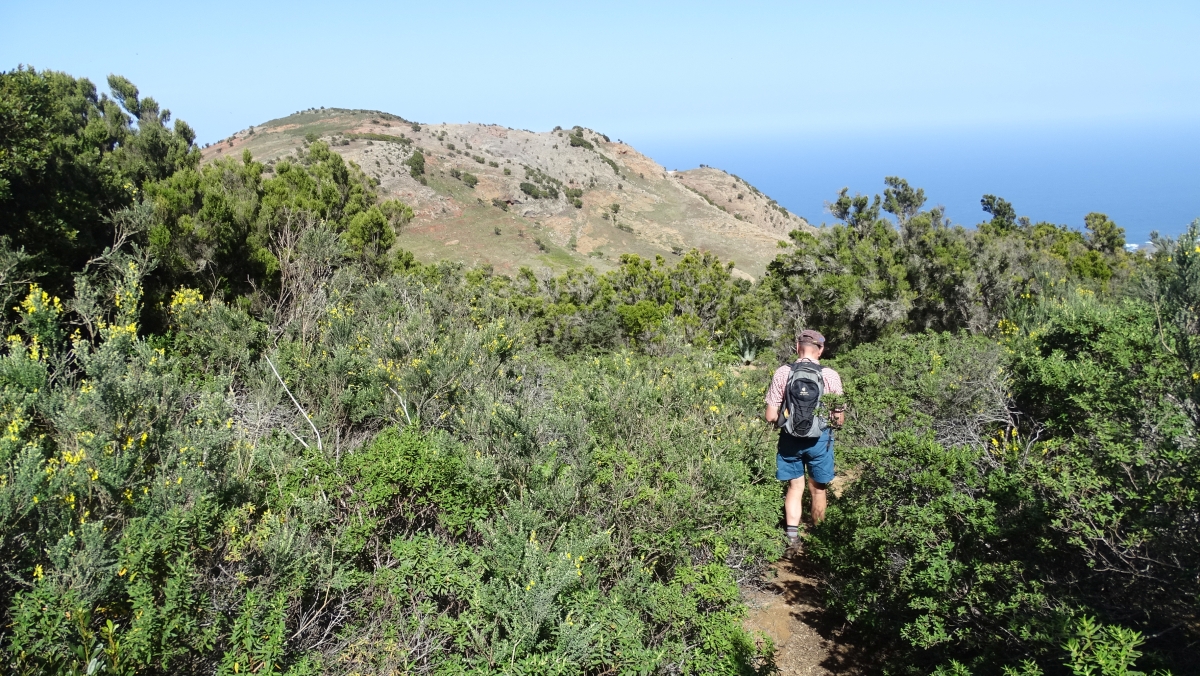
{"x": 244, "y": 429}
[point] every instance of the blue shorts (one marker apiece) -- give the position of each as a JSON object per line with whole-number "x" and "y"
{"x": 795, "y": 456}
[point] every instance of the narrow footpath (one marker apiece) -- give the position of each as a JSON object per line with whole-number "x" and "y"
{"x": 808, "y": 639}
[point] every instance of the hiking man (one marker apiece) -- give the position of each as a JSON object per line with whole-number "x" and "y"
{"x": 805, "y": 427}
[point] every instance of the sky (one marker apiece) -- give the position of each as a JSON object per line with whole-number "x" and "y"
{"x": 800, "y": 98}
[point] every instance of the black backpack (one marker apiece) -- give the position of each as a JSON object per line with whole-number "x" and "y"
{"x": 801, "y": 399}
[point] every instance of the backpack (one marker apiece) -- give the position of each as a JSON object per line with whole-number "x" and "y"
{"x": 801, "y": 398}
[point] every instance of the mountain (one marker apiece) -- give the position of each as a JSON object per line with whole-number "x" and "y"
{"x": 512, "y": 197}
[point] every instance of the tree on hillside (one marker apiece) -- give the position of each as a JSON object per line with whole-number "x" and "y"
{"x": 416, "y": 164}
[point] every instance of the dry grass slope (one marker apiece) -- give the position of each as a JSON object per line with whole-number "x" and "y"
{"x": 593, "y": 199}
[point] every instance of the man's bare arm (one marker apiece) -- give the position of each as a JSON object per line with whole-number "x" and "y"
{"x": 772, "y": 413}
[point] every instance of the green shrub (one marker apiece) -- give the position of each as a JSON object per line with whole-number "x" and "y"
{"x": 964, "y": 549}
{"x": 607, "y": 160}
{"x": 382, "y": 137}
{"x": 416, "y": 164}
{"x": 924, "y": 535}
{"x": 395, "y": 517}
{"x": 580, "y": 142}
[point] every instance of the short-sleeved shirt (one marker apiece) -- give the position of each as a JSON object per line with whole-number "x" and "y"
{"x": 833, "y": 382}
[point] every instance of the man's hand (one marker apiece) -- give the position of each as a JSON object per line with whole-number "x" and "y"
{"x": 838, "y": 418}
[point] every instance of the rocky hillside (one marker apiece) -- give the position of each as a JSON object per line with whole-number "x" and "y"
{"x": 512, "y": 197}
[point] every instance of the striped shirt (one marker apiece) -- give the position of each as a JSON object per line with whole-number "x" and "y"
{"x": 833, "y": 382}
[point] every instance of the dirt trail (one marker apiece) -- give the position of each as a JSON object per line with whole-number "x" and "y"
{"x": 808, "y": 639}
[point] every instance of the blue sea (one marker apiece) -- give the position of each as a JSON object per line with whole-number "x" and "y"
{"x": 1145, "y": 179}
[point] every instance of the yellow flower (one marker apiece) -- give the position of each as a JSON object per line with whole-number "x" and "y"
{"x": 37, "y": 572}
{"x": 185, "y": 298}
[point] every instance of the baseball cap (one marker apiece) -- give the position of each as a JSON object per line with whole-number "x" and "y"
{"x": 811, "y": 336}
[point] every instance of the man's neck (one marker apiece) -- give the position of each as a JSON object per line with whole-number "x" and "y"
{"x": 803, "y": 357}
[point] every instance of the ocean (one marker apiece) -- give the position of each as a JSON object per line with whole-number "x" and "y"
{"x": 1145, "y": 179}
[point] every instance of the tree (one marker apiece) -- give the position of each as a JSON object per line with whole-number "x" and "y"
{"x": 219, "y": 223}
{"x": 1004, "y": 217}
{"x": 370, "y": 236}
{"x": 858, "y": 212}
{"x": 125, "y": 93}
{"x": 69, "y": 158}
{"x": 901, "y": 200}
{"x": 942, "y": 264}
{"x": 850, "y": 280}
{"x": 398, "y": 213}
{"x": 1104, "y": 235}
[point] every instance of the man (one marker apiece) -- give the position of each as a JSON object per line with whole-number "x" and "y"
{"x": 797, "y": 456}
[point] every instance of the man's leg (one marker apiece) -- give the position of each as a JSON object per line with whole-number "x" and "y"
{"x": 818, "y": 500}
{"x": 792, "y": 503}
{"x": 819, "y": 470}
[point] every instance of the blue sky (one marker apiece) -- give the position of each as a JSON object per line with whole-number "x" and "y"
{"x": 668, "y": 75}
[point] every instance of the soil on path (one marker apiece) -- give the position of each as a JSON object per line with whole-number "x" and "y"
{"x": 809, "y": 640}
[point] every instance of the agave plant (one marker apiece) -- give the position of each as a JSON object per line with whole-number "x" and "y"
{"x": 747, "y": 347}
